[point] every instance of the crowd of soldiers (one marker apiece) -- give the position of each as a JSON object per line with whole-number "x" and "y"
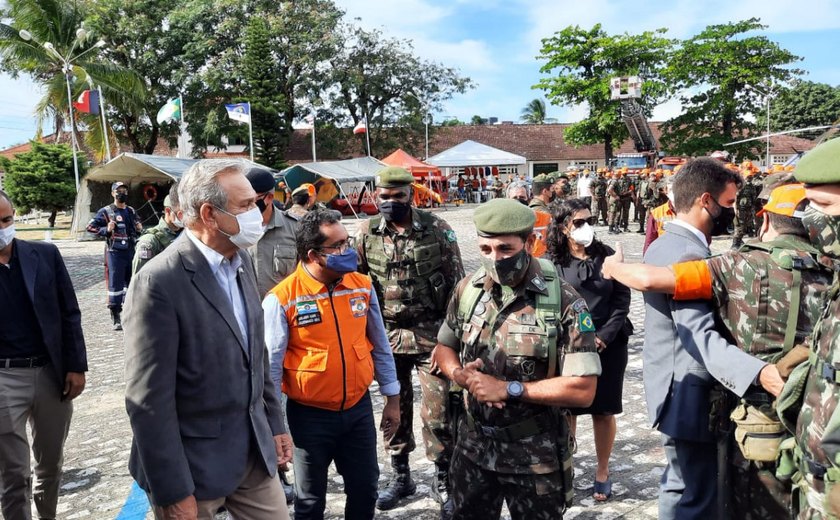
{"x": 502, "y": 352}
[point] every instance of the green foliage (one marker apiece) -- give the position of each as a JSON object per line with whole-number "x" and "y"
{"x": 804, "y": 104}
{"x": 724, "y": 73}
{"x": 478, "y": 120}
{"x": 581, "y": 62}
{"x": 534, "y": 113}
{"x": 56, "y": 22}
{"x": 453, "y": 121}
{"x": 41, "y": 178}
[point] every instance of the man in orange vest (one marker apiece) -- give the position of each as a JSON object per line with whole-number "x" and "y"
{"x": 326, "y": 342}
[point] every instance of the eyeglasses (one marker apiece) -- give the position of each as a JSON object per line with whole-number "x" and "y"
{"x": 342, "y": 247}
{"x": 579, "y": 222}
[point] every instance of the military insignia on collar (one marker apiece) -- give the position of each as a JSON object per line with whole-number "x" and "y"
{"x": 539, "y": 283}
{"x": 586, "y": 324}
{"x": 579, "y": 306}
{"x": 450, "y": 235}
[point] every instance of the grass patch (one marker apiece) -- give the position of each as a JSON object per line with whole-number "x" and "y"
{"x": 35, "y": 231}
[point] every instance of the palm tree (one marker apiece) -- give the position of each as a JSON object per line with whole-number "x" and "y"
{"x": 534, "y": 113}
{"x": 40, "y": 34}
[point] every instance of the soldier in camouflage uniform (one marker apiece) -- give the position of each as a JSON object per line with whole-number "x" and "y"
{"x": 521, "y": 341}
{"x": 617, "y": 189}
{"x": 155, "y": 240}
{"x": 745, "y": 208}
{"x": 816, "y": 386}
{"x": 598, "y": 188}
{"x": 768, "y": 296}
{"x": 413, "y": 258}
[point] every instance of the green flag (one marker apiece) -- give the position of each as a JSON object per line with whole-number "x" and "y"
{"x": 171, "y": 111}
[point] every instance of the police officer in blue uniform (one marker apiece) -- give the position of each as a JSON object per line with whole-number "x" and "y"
{"x": 119, "y": 225}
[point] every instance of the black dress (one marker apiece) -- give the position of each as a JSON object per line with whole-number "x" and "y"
{"x": 609, "y": 303}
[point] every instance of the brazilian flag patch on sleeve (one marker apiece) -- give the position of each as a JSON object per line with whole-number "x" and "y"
{"x": 585, "y": 322}
{"x": 450, "y": 235}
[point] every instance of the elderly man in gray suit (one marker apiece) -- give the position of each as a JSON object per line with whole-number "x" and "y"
{"x": 208, "y": 426}
{"x": 683, "y": 352}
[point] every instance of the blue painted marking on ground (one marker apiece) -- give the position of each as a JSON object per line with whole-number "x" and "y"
{"x": 136, "y": 505}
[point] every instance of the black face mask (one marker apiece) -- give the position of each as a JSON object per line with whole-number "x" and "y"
{"x": 523, "y": 201}
{"x": 261, "y": 205}
{"x": 722, "y": 221}
{"x": 122, "y": 197}
{"x": 394, "y": 211}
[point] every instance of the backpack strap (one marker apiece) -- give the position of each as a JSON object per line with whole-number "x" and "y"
{"x": 549, "y": 309}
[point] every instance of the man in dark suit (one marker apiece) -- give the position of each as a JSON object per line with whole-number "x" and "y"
{"x": 683, "y": 352}
{"x": 42, "y": 368}
{"x": 208, "y": 426}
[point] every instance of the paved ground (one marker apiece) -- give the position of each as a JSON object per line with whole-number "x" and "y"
{"x": 96, "y": 483}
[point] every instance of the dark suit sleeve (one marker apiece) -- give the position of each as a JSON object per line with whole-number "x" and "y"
{"x": 73, "y": 352}
{"x": 620, "y": 302}
{"x": 151, "y": 350}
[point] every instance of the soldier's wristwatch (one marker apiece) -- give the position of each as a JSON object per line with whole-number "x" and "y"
{"x": 515, "y": 389}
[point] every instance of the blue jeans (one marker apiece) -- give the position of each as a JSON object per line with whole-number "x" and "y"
{"x": 349, "y": 439}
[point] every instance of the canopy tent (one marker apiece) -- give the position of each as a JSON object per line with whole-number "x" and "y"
{"x": 145, "y": 175}
{"x": 416, "y": 167}
{"x": 328, "y": 176}
{"x": 471, "y": 153}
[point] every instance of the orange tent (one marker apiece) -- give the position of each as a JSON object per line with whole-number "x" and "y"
{"x": 417, "y": 168}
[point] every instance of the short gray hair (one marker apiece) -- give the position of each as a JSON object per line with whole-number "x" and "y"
{"x": 200, "y": 185}
{"x": 515, "y": 186}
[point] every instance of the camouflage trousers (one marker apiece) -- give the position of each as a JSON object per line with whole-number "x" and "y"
{"x": 434, "y": 410}
{"x": 625, "y": 212}
{"x": 639, "y": 210}
{"x": 614, "y": 216}
{"x": 479, "y": 493}
{"x": 756, "y": 493}
{"x": 599, "y": 208}
{"x": 745, "y": 224}
{"x": 823, "y": 507}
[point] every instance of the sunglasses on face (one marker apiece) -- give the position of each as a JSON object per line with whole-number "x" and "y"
{"x": 579, "y": 222}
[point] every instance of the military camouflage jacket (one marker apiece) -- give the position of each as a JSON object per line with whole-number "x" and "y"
{"x": 753, "y": 294}
{"x": 818, "y": 427}
{"x": 598, "y": 187}
{"x": 504, "y": 332}
{"x": 748, "y": 194}
{"x": 151, "y": 243}
{"x": 413, "y": 274}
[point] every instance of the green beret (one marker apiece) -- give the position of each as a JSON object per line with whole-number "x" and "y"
{"x": 821, "y": 165}
{"x": 503, "y": 217}
{"x": 543, "y": 178}
{"x": 393, "y": 177}
{"x": 167, "y": 202}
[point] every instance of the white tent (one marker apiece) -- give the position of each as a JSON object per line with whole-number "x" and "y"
{"x": 471, "y": 153}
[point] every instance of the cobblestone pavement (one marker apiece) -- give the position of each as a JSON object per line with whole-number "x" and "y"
{"x": 96, "y": 481}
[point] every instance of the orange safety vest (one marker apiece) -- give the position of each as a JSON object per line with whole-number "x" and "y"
{"x": 541, "y": 230}
{"x": 661, "y": 215}
{"x": 328, "y": 361}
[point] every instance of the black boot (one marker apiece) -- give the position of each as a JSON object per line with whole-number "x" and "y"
{"x": 288, "y": 488}
{"x": 115, "y": 316}
{"x": 440, "y": 490}
{"x": 400, "y": 486}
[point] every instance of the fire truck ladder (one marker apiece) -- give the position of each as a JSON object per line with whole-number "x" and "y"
{"x": 637, "y": 125}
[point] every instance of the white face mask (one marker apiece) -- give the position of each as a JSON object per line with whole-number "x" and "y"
{"x": 251, "y": 228}
{"x": 6, "y": 236}
{"x": 584, "y": 235}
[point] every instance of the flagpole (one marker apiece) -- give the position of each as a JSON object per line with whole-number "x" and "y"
{"x": 314, "y": 159}
{"x": 367, "y": 133}
{"x": 181, "y": 140}
{"x": 250, "y": 131}
{"x": 104, "y": 125}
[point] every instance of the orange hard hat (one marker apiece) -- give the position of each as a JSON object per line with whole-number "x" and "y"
{"x": 784, "y": 201}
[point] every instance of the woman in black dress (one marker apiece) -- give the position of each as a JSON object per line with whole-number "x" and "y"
{"x": 579, "y": 256}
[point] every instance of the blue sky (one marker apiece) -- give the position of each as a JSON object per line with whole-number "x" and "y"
{"x": 495, "y": 43}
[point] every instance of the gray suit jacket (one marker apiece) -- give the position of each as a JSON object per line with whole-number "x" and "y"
{"x": 683, "y": 351}
{"x": 198, "y": 395}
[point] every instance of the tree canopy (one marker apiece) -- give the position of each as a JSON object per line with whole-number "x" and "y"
{"x": 803, "y": 105}
{"x": 534, "y": 113}
{"x": 41, "y": 178}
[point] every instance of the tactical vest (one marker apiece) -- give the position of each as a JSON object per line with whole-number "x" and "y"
{"x": 423, "y": 286}
{"x": 162, "y": 237}
{"x": 547, "y": 309}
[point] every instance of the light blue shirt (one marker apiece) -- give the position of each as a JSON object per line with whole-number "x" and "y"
{"x": 277, "y": 340}
{"x": 225, "y": 271}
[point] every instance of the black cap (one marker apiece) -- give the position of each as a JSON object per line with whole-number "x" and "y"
{"x": 261, "y": 180}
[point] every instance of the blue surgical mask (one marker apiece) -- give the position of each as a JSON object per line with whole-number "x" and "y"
{"x": 345, "y": 262}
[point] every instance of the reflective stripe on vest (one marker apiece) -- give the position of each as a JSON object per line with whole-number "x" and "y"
{"x": 328, "y": 361}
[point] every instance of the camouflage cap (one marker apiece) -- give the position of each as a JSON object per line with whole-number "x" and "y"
{"x": 167, "y": 202}
{"x": 393, "y": 177}
{"x": 543, "y": 178}
{"x": 821, "y": 165}
{"x": 503, "y": 217}
{"x": 774, "y": 181}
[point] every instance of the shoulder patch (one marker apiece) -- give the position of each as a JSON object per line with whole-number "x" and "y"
{"x": 145, "y": 253}
{"x": 580, "y": 306}
{"x": 450, "y": 235}
{"x": 585, "y": 322}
